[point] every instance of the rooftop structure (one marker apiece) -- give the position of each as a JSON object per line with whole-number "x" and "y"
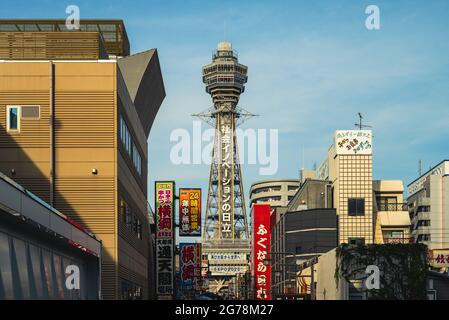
{"x": 112, "y": 32}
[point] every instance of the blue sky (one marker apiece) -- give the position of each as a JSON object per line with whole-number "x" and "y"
{"x": 312, "y": 66}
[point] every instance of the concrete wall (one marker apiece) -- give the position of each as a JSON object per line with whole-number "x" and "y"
{"x": 327, "y": 288}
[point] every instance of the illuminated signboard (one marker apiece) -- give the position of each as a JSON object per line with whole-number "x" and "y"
{"x": 190, "y": 265}
{"x": 261, "y": 248}
{"x": 439, "y": 258}
{"x": 232, "y": 257}
{"x": 190, "y": 212}
{"x": 226, "y": 176}
{"x": 350, "y": 142}
{"x": 230, "y": 270}
{"x": 164, "y": 201}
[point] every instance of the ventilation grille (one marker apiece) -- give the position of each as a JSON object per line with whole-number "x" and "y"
{"x": 30, "y": 112}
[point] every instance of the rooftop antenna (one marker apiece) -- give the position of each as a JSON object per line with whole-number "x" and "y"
{"x": 302, "y": 151}
{"x": 419, "y": 168}
{"x": 224, "y": 30}
{"x": 360, "y": 125}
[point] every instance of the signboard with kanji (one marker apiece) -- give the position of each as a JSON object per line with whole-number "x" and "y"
{"x": 261, "y": 247}
{"x": 190, "y": 265}
{"x": 226, "y": 175}
{"x": 190, "y": 212}
{"x": 353, "y": 142}
{"x": 164, "y": 267}
{"x": 164, "y": 202}
{"x": 439, "y": 258}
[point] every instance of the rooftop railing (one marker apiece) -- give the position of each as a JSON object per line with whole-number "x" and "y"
{"x": 392, "y": 207}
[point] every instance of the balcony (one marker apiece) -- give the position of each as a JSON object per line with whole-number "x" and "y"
{"x": 392, "y": 207}
{"x": 398, "y": 240}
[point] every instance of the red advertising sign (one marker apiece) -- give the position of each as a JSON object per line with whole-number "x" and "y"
{"x": 261, "y": 249}
{"x": 190, "y": 212}
{"x": 190, "y": 265}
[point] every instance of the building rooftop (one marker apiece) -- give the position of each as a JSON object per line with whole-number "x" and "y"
{"x": 275, "y": 180}
{"x": 112, "y": 31}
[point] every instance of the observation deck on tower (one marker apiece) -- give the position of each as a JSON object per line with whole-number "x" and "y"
{"x": 225, "y": 77}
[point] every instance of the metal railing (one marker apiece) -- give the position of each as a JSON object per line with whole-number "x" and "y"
{"x": 398, "y": 240}
{"x": 392, "y": 207}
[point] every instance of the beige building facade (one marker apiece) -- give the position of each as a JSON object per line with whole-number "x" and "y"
{"x": 428, "y": 205}
{"x": 348, "y": 166}
{"x": 276, "y": 192}
{"x": 392, "y": 220}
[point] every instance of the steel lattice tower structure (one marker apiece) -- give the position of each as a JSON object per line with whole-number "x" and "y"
{"x": 226, "y": 226}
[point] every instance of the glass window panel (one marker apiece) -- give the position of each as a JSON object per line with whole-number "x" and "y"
{"x": 20, "y": 250}
{"x": 60, "y": 276}
{"x": 6, "y": 288}
{"x": 13, "y": 118}
{"x": 35, "y": 256}
{"x": 48, "y": 273}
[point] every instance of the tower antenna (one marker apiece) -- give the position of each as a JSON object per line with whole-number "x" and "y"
{"x": 419, "y": 168}
{"x": 360, "y": 125}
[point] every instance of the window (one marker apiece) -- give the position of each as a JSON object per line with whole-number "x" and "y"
{"x": 13, "y": 118}
{"x": 387, "y": 203}
{"x": 393, "y": 234}
{"x": 423, "y": 209}
{"x": 423, "y": 237}
{"x": 131, "y": 220}
{"x": 125, "y": 136}
{"x": 137, "y": 160}
{"x": 130, "y": 146}
{"x": 139, "y": 229}
{"x": 423, "y": 223}
{"x": 356, "y": 207}
{"x": 357, "y": 241}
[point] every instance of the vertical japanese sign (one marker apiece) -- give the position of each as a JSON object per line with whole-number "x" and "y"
{"x": 164, "y": 207}
{"x": 261, "y": 248}
{"x": 190, "y": 265}
{"x": 226, "y": 175}
{"x": 190, "y": 212}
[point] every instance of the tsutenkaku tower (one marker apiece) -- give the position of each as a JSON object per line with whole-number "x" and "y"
{"x": 225, "y": 80}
